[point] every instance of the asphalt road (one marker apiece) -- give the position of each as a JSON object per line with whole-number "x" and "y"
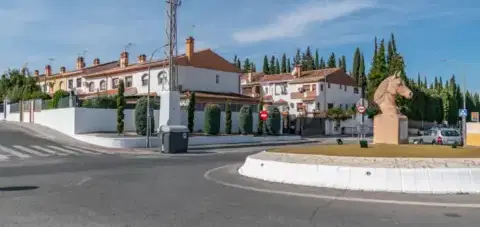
{"x": 190, "y": 190}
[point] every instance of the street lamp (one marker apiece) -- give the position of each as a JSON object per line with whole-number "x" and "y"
{"x": 464, "y": 118}
{"x": 148, "y": 95}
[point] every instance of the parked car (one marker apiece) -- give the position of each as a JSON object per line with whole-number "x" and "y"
{"x": 440, "y": 136}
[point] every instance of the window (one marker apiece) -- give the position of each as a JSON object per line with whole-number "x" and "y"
{"x": 317, "y": 106}
{"x": 128, "y": 81}
{"x": 330, "y": 105}
{"x": 341, "y": 106}
{"x": 314, "y": 87}
{"x": 328, "y": 85}
{"x": 266, "y": 90}
{"x": 321, "y": 87}
{"x": 115, "y": 83}
{"x": 103, "y": 85}
{"x": 162, "y": 78}
{"x": 346, "y": 106}
{"x": 70, "y": 84}
{"x": 217, "y": 79}
{"x": 345, "y": 88}
{"x": 91, "y": 87}
{"x": 144, "y": 80}
{"x": 79, "y": 82}
{"x": 355, "y": 90}
{"x": 306, "y": 87}
{"x": 284, "y": 89}
{"x": 60, "y": 85}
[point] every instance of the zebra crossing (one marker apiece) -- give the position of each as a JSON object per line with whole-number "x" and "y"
{"x": 30, "y": 151}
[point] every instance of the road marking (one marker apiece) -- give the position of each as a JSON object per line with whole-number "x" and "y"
{"x": 84, "y": 179}
{"x": 208, "y": 174}
{"x": 64, "y": 150}
{"x": 80, "y": 150}
{"x": 48, "y": 150}
{"x": 28, "y": 150}
{"x": 89, "y": 149}
{"x": 13, "y": 152}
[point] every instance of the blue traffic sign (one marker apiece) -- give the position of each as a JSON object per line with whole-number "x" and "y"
{"x": 462, "y": 112}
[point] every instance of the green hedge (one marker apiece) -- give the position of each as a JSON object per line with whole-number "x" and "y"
{"x": 141, "y": 117}
{"x": 211, "y": 125}
{"x": 101, "y": 102}
{"x": 245, "y": 120}
{"x": 274, "y": 120}
{"x": 56, "y": 98}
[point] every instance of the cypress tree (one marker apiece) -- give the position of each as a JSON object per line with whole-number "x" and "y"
{"x": 283, "y": 68}
{"x": 361, "y": 75}
{"x": 309, "y": 61}
{"x": 297, "y": 58}
{"x": 322, "y": 64}
{"x": 253, "y": 67}
{"x": 356, "y": 66}
{"x": 266, "y": 69}
{"x": 378, "y": 71}
{"x": 344, "y": 61}
{"x": 332, "y": 61}
{"x": 260, "y": 121}
{"x": 277, "y": 66}
{"x": 425, "y": 83}
{"x": 246, "y": 65}
{"x": 340, "y": 63}
{"x": 435, "y": 83}
{"x": 191, "y": 111}
{"x": 239, "y": 64}
{"x": 317, "y": 60}
{"x": 272, "y": 65}
{"x": 121, "y": 107}
{"x": 419, "y": 81}
{"x": 228, "y": 118}
{"x": 289, "y": 66}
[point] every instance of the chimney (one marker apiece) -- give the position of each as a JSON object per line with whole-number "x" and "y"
{"x": 63, "y": 69}
{"x": 142, "y": 58}
{"x": 48, "y": 70}
{"x": 297, "y": 71}
{"x": 36, "y": 73}
{"x": 123, "y": 59}
{"x": 189, "y": 47}
{"x": 249, "y": 75}
{"x": 80, "y": 63}
{"x": 96, "y": 62}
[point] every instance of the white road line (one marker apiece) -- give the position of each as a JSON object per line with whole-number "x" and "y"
{"x": 48, "y": 150}
{"x": 64, "y": 150}
{"x": 3, "y": 157}
{"x": 28, "y": 150}
{"x": 13, "y": 152}
{"x": 89, "y": 149}
{"x": 80, "y": 150}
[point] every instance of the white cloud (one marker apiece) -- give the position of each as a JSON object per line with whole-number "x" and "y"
{"x": 293, "y": 24}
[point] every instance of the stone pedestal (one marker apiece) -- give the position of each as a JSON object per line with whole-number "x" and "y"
{"x": 390, "y": 129}
{"x": 169, "y": 108}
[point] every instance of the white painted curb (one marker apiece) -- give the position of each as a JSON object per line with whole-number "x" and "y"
{"x": 406, "y": 180}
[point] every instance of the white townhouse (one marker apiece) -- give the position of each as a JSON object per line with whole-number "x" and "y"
{"x": 304, "y": 92}
{"x": 213, "y": 78}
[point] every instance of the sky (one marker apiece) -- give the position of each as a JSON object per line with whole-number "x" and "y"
{"x": 427, "y": 32}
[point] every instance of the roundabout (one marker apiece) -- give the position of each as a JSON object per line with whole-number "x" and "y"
{"x": 379, "y": 168}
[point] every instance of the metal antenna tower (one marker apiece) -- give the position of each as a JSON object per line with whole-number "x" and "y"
{"x": 171, "y": 36}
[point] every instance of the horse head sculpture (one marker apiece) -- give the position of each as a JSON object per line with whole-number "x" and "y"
{"x": 385, "y": 94}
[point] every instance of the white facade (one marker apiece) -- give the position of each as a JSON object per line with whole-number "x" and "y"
{"x": 337, "y": 95}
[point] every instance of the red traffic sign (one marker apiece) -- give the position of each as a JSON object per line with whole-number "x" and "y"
{"x": 361, "y": 109}
{"x": 263, "y": 115}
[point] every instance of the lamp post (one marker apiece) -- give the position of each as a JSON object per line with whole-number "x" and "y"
{"x": 148, "y": 95}
{"x": 464, "y": 118}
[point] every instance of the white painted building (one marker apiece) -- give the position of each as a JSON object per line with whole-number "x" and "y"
{"x": 308, "y": 91}
{"x": 201, "y": 70}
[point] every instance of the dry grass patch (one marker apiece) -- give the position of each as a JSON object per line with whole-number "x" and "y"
{"x": 383, "y": 150}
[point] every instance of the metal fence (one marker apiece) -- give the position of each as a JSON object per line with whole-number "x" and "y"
{"x": 2, "y": 108}
{"x": 14, "y": 107}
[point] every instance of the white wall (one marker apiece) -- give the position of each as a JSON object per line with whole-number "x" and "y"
{"x": 205, "y": 80}
{"x": 62, "y": 120}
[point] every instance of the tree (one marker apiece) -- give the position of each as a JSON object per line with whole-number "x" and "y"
{"x": 317, "y": 60}
{"x": 121, "y": 107}
{"x": 260, "y": 121}
{"x": 141, "y": 117}
{"x": 344, "y": 63}
{"x": 298, "y": 58}
{"x": 378, "y": 71}
{"x": 356, "y": 66}
{"x": 308, "y": 61}
{"x": 191, "y": 111}
{"x": 228, "y": 118}
{"x": 289, "y": 66}
{"x": 362, "y": 76}
{"x": 272, "y": 65}
{"x": 212, "y": 119}
{"x": 277, "y": 66}
{"x": 245, "y": 120}
{"x": 266, "y": 69}
{"x": 246, "y": 65}
{"x": 331, "y": 61}
{"x": 283, "y": 67}
{"x": 322, "y": 64}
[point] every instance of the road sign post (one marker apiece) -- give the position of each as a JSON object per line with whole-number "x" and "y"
{"x": 263, "y": 115}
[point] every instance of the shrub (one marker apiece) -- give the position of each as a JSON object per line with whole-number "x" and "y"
{"x": 228, "y": 118}
{"x": 245, "y": 120}
{"x": 57, "y": 96}
{"x": 120, "y": 107}
{"x": 211, "y": 125}
{"x": 260, "y": 121}
{"x": 363, "y": 144}
{"x": 274, "y": 120}
{"x": 191, "y": 112}
{"x": 39, "y": 95}
{"x": 336, "y": 114}
{"x": 141, "y": 117}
